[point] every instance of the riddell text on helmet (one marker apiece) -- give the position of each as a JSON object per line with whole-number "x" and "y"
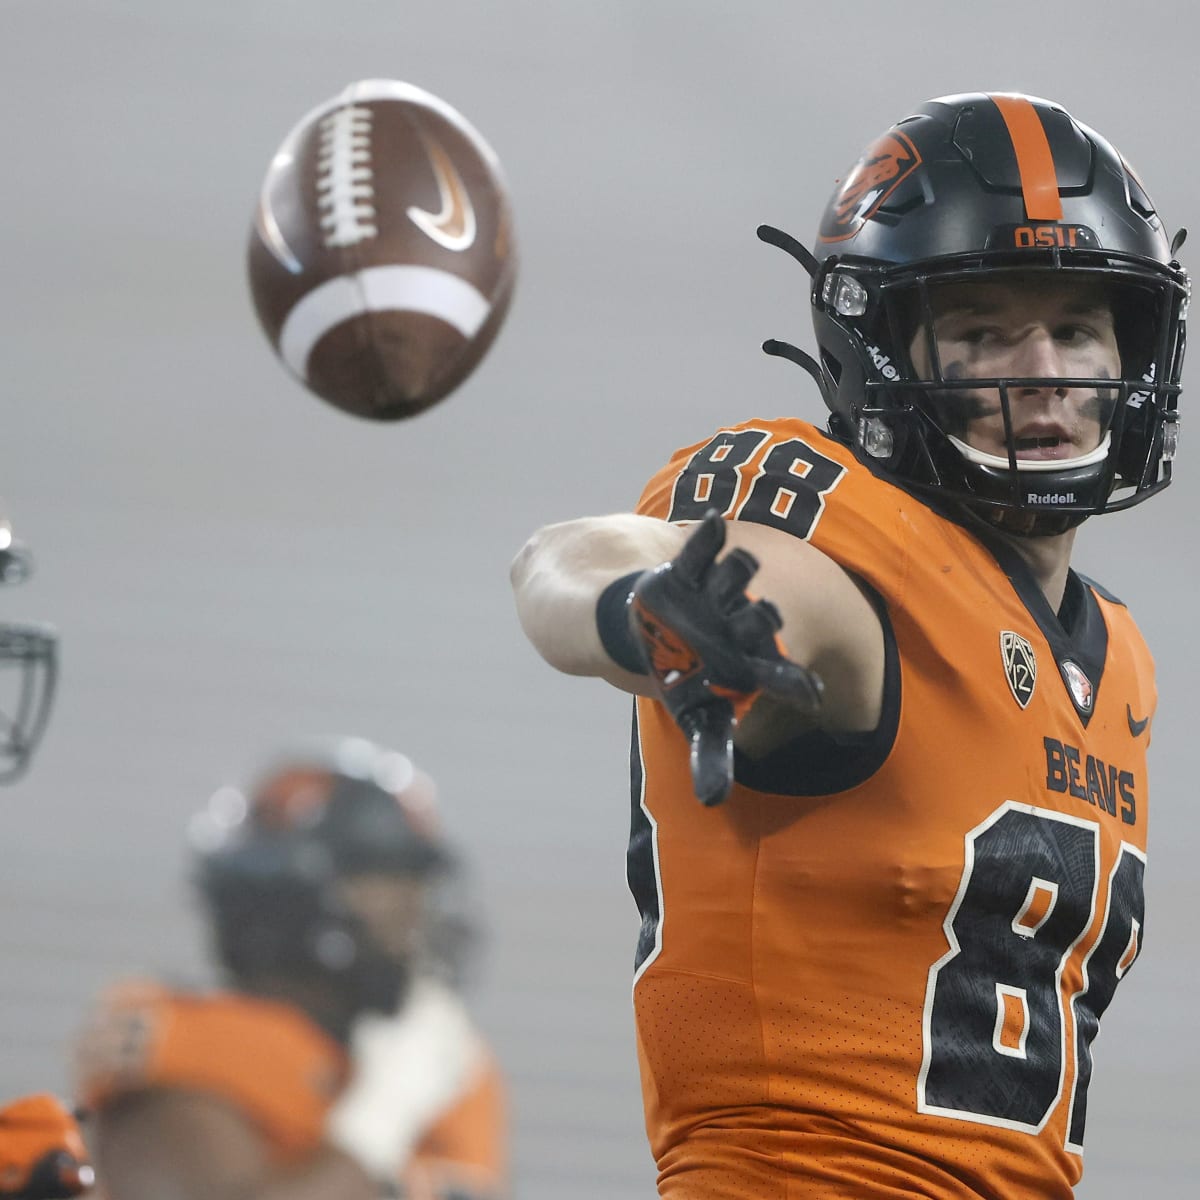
{"x": 1050, "y": 498}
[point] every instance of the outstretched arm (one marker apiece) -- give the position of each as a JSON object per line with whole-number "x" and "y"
{"x": 826, "y": 621}
{"x": 559, "y": 575}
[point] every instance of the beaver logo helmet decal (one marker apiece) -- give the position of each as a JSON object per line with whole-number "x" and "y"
{"x": 885, "y": 164}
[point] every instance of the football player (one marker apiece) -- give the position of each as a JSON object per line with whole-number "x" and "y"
{"x": 28, "y": 669}
{"x": 341, "y": 1062}
{"x": 42, "y": 1155}
{"x": 873, "y": 961}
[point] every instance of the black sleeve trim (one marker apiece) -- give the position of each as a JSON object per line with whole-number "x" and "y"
{"x": 612, "y": 621}
{"x": 822, "y": 764}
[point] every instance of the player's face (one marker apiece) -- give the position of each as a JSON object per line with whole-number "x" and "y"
{"x": 393, "y": 908}
{"x": 1029, "y": 327}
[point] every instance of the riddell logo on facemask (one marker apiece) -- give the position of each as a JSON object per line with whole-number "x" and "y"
{"x": 1140, "y": 398}
{"x": 1050, "y": 498}
{"x": 883, "y": 364}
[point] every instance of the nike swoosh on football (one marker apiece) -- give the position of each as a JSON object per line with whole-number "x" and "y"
{"x": 1136, "y": 727}
{"x": 454, "y": 225}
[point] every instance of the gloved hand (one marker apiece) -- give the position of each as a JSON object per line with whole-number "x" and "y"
{"x": 713, "y": 651}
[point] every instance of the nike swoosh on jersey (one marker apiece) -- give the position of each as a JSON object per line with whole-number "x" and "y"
{"x": 1136, "y": 727}
{"x": 454, "y": 225}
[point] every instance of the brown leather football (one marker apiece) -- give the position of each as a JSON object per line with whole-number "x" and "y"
{"x": 381, "y": 258}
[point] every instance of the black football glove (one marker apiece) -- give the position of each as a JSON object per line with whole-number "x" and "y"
{"x": 713, "y": 651}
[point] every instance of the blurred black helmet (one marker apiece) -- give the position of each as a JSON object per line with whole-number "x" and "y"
{"x": 28, "y": 670}
{"x": 977, "y": 189}
{"x": 271, "y": 865}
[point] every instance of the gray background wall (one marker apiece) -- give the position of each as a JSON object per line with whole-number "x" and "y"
{"x": 233, "y": 564}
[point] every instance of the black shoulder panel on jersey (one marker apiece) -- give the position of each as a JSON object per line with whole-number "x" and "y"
{"x": 1100, "y": 590}
{"x": 640, "y": 870}
{"x": 823, "y": 764}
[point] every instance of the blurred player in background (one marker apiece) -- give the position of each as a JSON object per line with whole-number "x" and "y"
{"x": 28, "y": 669}
{"x": 341, "y": 1062}
{"x": 41, "y": 1153}
{"x": 875, "y": 964}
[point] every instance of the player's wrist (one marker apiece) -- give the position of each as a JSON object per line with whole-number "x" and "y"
{"x": 612, "y": 622}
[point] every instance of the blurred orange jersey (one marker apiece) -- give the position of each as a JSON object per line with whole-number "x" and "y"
{"x": 266, "y": 1059}
{"x": 877, "y": 969}
{"x": 282, "y": 1072}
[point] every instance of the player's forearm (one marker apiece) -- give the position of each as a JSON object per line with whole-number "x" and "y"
{"x": 560, "y": 573}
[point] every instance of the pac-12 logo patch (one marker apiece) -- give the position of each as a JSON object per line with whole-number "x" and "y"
{"x": 1020, "y": 665}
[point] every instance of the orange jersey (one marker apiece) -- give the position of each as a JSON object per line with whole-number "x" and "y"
{"x": 282, "y": 1072}
{"x": 265, "y": 1058}
{"x": 877, "y": 969}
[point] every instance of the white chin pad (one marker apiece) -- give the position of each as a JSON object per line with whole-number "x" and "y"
{"x": 999, "y": 463}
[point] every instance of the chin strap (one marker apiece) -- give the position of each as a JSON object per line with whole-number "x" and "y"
{"x": 1026, "y": 522}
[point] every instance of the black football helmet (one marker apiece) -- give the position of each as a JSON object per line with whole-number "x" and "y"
{"x": 28, "y": 670}
{"x": 992, "y": 188}
{"x": 270, "y": 862}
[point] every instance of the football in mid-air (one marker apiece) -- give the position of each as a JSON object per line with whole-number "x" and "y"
{"x": 381, "y": 257}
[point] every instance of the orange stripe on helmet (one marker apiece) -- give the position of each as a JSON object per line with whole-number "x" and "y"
{"x": 1035, "y": 162}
